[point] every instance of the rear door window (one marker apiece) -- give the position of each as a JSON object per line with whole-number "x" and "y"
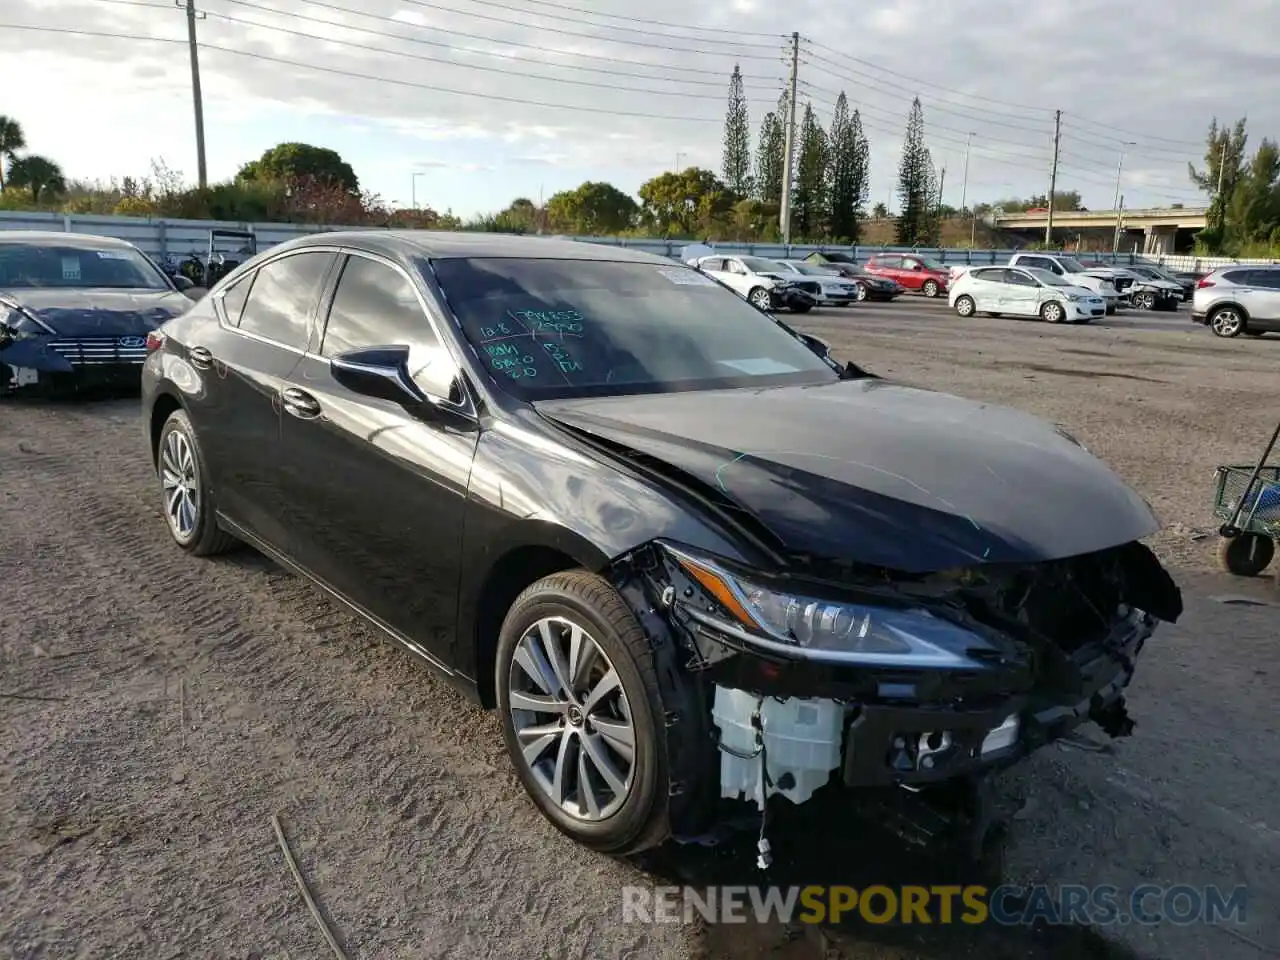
{"x": 284, "y": 297}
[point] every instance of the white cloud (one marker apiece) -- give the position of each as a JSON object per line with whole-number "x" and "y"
{"x": 104, "y": 107}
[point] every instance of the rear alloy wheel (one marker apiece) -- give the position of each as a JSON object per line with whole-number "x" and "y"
{"x": 1226, "y": 322}
{"x": 862, "y": 292}
{"x": 579, "y": 705}
{"x": 1246, "y": 555}
{"x": 188, "y": 507}
{"x": 1052, "y": 312}
{"x": 1144, "y": 300}
{"x": 965, "y": 306}
{"x": 760, "y": 298}
{"x": 930, "y": 288}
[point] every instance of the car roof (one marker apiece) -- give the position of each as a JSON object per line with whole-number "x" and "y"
{"x": 42, "y": 238}
{"x": 442, "y": 245}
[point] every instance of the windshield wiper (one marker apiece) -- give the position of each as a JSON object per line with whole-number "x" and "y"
{"x": 852, "y": 371}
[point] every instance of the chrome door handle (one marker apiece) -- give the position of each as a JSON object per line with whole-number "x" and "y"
{"x": 300, "y": 403}
{"x": 201, "y": 358}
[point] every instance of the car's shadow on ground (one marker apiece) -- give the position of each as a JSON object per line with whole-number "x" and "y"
{"x": 821, "y": 843}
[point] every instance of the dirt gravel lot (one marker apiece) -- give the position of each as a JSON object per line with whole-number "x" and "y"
{"x": 157, "y": 711}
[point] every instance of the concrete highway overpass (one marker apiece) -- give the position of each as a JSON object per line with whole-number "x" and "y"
{"x": 1162, "y": 230}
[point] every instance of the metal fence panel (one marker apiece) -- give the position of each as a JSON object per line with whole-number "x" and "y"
{"x": 181, "y": 238}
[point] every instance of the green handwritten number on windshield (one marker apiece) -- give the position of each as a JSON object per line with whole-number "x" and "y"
{"x": 562, "y": 358}
{"x": 552, "y": 321}
{"x": 498, "y": 330}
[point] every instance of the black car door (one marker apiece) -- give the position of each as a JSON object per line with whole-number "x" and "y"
{"x": 376, "y": 488}
{"x": 263, "y": 325}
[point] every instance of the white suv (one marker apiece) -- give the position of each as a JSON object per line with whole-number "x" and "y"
{"x": 1239, "y": 299}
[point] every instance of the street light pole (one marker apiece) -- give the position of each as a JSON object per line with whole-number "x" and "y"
{"x": 413, "y": 187}
{"x": 964, "y": 189}
{"x": 1115, "y": 238}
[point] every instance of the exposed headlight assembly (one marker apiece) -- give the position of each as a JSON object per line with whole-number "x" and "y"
{"x": 810, "y": 628}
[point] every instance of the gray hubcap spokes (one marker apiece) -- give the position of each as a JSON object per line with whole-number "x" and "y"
{"x": 572, "y": 720}
{"x": 1226, "y": 322}
{"x": 180, "y": 484}
{"x": 761, "y": 300}
{"x": 966, "y": 306}
{"x": 1053, "y": 313}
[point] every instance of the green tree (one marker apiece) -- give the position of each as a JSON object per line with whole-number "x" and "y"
{"x": 809, "y": 199}
{"x": 915, "y": 192}
{"x": 737, "y": 139}
{"x": 849, "y": 172}
{"x": 12, "y": 139}
{"x": 1063, "y": 200}
{"x": 880, "y": 212}
{"x": 594, "y": 209}
{"x": 770, "y": 151}
{"x": 1253, "y": 211}
{"x": 1224, "y": 166}
{"x": 38, "y": 174}
{"x": 301, "y": 161}
{"x": 685, "y": 203}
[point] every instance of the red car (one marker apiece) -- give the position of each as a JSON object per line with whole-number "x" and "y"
{"x": 915, "y": 273}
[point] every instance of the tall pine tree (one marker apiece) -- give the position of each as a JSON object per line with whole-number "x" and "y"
{"x": 915, "y": 191}
{"x": 809, "y": 198}
{"x": 737, "y": 139}
{"x": 770, "y": 153}
{"x": 847, "y": 173}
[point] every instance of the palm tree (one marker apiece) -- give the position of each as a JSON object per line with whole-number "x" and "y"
{"x": 37, "y": 174}
{"x": 11, "y": 141}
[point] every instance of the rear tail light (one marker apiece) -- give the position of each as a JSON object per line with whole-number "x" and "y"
{"x": 155, "y": 340}
{"x": 1203, "y": 282}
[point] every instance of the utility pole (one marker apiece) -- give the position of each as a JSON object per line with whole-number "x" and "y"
{"x": 1115, "y": 240}
{"x": 1222, "y": 166}
{"x": 1053, "y": 175}
{"x": 942, "y": 185}
{"x": 964, "y": 191}
{"x": 788, "y": 157}
{"x": 202, "y": 171}
{"x": 413, "y": 186}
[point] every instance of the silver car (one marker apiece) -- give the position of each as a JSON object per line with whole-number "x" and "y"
{"x": 1239, "y": 299}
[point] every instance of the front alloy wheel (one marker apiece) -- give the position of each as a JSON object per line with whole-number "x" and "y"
{"x": 862, "y": 291}
{"x": 1053, "y": 312}
{"x": 965, "y": 306}
{"x": 579, "y": 704}
{"x": 760, "y": 299}
{"x": 1145, "y": 300}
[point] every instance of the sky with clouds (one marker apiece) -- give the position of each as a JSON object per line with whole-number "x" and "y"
{"x": 469, "y": 103}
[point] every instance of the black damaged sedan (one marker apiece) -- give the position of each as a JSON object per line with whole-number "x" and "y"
{"x": 76, "y": 309}
{"x": 692, "y": 561}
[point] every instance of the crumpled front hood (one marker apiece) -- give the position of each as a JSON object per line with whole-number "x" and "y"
{"x": 99, "y": 312}
{"x": 880, "y": 473}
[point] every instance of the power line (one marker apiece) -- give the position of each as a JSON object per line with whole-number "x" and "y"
{"x": 591, "y": 84}
{"x": 525, "y": 26}
{"x": 449, "y": 91}
{"x": 618, "y": 16}
{"x": 722, "y": 84}
{"x": 645, "y": 20}
{"x": 541, "y": 48}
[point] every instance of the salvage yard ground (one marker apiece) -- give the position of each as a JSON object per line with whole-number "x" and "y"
{"x": 157, "y": 711}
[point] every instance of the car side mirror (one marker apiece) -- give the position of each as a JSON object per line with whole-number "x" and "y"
{"x": 380, "y": 372}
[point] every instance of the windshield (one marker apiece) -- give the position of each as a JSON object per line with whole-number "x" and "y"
{"x": 27, "y": 265}
{"x": 761, "y": 265}
{"x": 1071, "y": 265}
{"x": 934, "y": 265}
{"x": 813, "y": 270}
{"x": 550, "y": 329}
{"x": 1048, "y": 277}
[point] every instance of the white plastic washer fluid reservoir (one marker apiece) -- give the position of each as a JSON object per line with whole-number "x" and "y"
{"x": 801, "y": 737}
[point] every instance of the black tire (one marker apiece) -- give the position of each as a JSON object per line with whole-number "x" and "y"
{"x": 1053, "y": 312}
{"x": 965, "y": 307}
{"x": 1227, "y": 321}
{"x": 759, "y": 298}
{"x": 1111, "y": 309}
{"x": 206, "y": 538}
{"x": 862, "y": 291}
{"x": 591, "y": 603}
{"x": 1246, "y": 555}
{"x": 931, "y": 289}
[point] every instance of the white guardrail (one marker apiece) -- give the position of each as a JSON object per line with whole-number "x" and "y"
{"x": 160, "y": 238}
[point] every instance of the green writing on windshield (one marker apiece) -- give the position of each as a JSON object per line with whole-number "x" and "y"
{"x": 551, "y": 321}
